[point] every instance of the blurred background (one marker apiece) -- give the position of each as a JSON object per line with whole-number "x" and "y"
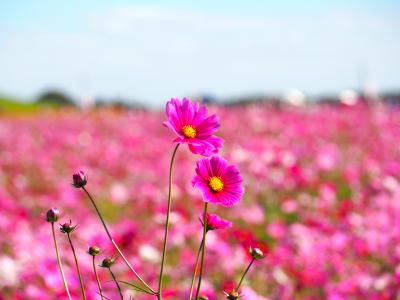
{"x": 308, "y": 96}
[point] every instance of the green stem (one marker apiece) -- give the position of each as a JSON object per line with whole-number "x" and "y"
{"x": 135, "y": 287}
{"x": 77, "y": 267}
{"x": 115, "y": 244}
{"x": 116, "y": 282}
{"x": 195, "y": 270}
{"x": 203, "y": 250}
{"x": 97, "y": 278}
{"x": 59, "y": 262}
{"x": 244, "y": 274}
{"x": 160, "y": 279}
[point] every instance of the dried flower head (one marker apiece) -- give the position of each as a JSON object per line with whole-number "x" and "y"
{"x": 52, "y": 215}
{"x": 108, "y": 262}
{"x": 67, "y": 227}
{"x": 79, "y": 179}
{"x": 256, "y": 253}
{"x": 93, "y": 250}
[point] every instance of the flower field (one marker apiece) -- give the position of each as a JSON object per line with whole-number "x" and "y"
{"x": 322, "y": 200}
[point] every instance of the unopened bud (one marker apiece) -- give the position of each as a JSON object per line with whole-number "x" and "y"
{"x": 67, "y": 227}
{"x": 52, "y": 215}
{"x": 107, "y": 262}
{"x": 232, "y": 295}
{"x": 256, "y": 253}
{"x": 94, "y": 250}
{"x": 79, "y": 179}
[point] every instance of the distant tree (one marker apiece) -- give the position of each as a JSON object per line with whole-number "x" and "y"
{"x": 119, "y": 103}
{"x": 54, "y": 97}
{"x": 208, "y": 99}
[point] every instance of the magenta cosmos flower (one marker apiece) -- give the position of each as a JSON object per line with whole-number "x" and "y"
{"x": 218, "y": 182}
{"x": 190, "y": 123}
{"x": 215, "y": 222}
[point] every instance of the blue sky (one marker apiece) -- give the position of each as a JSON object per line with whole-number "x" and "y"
{"x": 151, "y": 51}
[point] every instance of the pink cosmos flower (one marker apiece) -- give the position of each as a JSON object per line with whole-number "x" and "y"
{"x": 218, "y": 182}
{"x": 190, "y": 123}
{"x": 215, "y": 222}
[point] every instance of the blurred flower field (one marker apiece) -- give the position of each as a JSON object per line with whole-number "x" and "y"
{"x": 322, "y": 199}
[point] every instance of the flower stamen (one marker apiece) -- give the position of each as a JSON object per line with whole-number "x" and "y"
{"x": 189, "y": 131}
{"x": 216, "y": 184}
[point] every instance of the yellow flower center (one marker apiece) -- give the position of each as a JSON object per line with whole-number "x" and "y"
{"x": 189, "y": 131}
{"x": 216, "y": 184}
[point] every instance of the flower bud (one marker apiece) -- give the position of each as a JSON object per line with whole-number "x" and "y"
{"x": 67, "y": 227}
{"x": 256, "y": 253}
{"x": 79, "y": 179}
{"x": 214, "y": 222}
{"x": 232, "y": 295}
{"x": 52, "y": 215}
{"x": 94, "y": 250}
{"x": 108, "y": 262}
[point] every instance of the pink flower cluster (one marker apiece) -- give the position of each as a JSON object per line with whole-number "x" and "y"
{"x": 322, "y": 200}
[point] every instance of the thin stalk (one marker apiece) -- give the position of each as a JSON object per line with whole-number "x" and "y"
{"x": 97, "y": 278}
{"x": 159, "y": 293}
{"x": 195, "y": 270}
{"x": 202, "y": 250}
{"x": 115, "y": 244}
{"x": 244, "y": 274}
{"x": 77, "y": 267}
{"x": 59, "y": 263}
{"x": 104, "y": 296}
{"x": 116, "y": 282}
